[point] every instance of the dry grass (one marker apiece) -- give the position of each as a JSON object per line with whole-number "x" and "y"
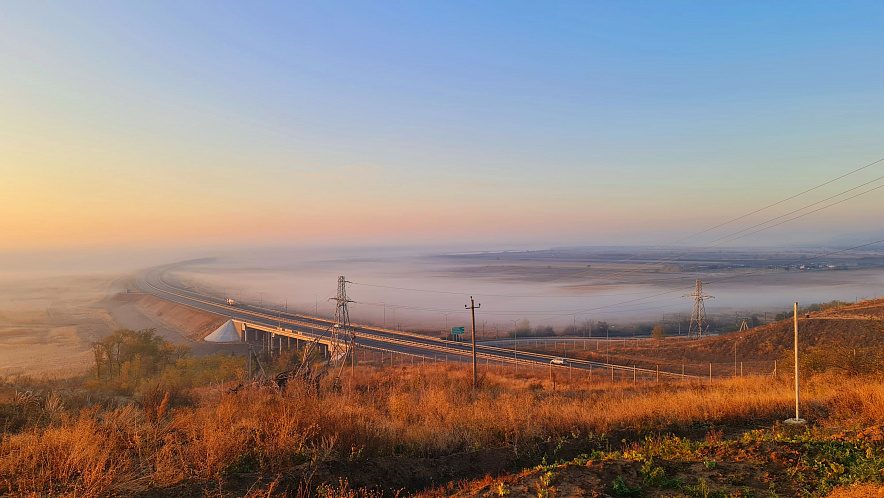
{"x": 418, "y": 411}
{"x": 863, "y": 491}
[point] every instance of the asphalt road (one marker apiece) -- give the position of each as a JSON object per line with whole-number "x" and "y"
{"x": 151, "y": 281}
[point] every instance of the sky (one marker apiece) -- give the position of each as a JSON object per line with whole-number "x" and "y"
{"x": 211, "y": 124}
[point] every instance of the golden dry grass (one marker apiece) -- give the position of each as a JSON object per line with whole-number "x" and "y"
{"x": 418, "y": 411}
{"x": 863, "y": 491}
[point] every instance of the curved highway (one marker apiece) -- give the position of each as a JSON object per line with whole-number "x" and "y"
{"x": 151, "y": 282}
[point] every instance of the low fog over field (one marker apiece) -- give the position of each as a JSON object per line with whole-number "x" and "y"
{"x": 53, "y": 306}
{"x": 415, "y": 289}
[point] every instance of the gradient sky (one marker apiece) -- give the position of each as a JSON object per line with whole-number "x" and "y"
{"x": 189, "y": 123}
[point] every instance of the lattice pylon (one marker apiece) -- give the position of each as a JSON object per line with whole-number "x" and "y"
{"x": 699, "y": 325}
{"x": 343, "y": 335}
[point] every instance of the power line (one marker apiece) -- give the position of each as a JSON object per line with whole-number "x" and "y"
{"x": 782, "y": 201}
{"x": 722, "y": 240}
{"x": 589, "y": 310}
{"x": 804, "y": 214}
{"x": 731, "y": 236}
{"x": 725, "y": 239}
{"x": 596, "y": 309}
{"x": 558, "y": 312}
{"x": 488, "y": 295}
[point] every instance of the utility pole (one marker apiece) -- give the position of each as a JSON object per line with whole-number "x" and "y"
{"x": 797, "y": 420}
{"x": 472, "y": 307}
{"x": 735, "y": 355}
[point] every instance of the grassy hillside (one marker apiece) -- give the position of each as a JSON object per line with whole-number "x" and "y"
{"x": 409, "y": 427}
{"x": 155, "y": 421}
{"x": 829, "y": 338}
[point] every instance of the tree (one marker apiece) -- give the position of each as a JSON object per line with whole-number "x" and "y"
{"x": 544, "y": 331}
{"x": 523, "y": 329}
{"x": 136, "y": 354}
{"x": 658, "y": 332}
{"x": 600, "y": 329}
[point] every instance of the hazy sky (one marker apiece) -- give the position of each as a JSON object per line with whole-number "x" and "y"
{"x": 198, "y": 123}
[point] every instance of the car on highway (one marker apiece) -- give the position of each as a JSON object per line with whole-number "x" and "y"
{"x": 558, "y": 361}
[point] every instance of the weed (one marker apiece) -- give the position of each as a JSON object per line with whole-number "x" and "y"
{"x": 652, "y": 475}
{"x": 702, "y": 490}
{"x": 547, "y": 478}
{"x": 501, "y": 489}
{"x": 622, "y": 489}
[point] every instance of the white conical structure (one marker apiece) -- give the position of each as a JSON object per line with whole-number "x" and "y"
{"x": 224, "y": 333}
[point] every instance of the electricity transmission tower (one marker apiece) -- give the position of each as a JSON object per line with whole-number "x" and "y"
{"x": 745, "y": 326}
{"x": 699, "y": 324}
{"x": 343, "y": 335}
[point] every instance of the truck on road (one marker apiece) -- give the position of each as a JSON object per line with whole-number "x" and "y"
{"x": 231, "y": 302}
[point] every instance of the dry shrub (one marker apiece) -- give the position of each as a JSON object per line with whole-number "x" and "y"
{"x": 407, "y": 410}
{"x": 89, "y": 455}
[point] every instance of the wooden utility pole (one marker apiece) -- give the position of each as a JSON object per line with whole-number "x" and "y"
{"x": 472, "y": 307}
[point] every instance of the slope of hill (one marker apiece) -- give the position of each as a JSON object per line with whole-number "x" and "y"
{"x": 854, "y": 329}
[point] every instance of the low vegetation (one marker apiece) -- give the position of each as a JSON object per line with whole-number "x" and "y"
{"x": 154, "y": 419}
{"x": 764, "y": 462}
{"x": 159, "y": 430}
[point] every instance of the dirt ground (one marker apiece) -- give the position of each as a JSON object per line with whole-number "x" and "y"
{"x": 48, "y": 322}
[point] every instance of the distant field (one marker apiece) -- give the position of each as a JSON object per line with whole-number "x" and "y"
{"x": 555, "y": 288}
{"x": 49, "y": 322}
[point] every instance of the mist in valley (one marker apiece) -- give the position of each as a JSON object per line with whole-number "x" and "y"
{"x": 426, "y": 289}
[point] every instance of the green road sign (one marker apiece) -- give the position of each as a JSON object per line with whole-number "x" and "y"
{"x": 457, "y": 330}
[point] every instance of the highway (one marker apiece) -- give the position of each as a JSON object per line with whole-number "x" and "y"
{"x": 151, "y": 281}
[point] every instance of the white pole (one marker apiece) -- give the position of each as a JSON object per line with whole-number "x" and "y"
{"x": 797, "y": 420}
{"x": 797, "y": 393}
